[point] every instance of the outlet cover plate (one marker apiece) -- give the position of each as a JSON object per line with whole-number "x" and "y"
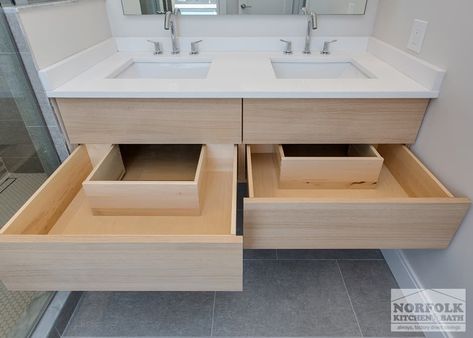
{"x": 416, "y": 40}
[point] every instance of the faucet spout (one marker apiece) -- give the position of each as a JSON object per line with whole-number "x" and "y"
{"x": 312, "y": 24}
{"x": 170, "y": 24}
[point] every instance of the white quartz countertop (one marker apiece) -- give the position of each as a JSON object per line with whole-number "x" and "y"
{"x": 238, "y": 75}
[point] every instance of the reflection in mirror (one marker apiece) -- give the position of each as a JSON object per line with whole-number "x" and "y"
{"x": 243, "y": 7}
{"x": 143, "y": 7}
{"x": 337, "y": 6}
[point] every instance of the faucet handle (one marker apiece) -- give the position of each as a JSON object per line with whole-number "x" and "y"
{"x": 157, "y": 47}
{"x": 326, "y": 49}
{"x": 288, "y": 48}
{"x": 195, "y": 47}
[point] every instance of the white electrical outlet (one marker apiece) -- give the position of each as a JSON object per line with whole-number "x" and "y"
{"x": 416, "y": 40}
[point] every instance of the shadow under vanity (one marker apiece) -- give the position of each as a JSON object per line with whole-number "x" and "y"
{"x": 147, "y": 201}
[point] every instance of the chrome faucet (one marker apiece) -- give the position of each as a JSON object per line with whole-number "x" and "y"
{"x": 170, "y": 24}
{"x": 312, "y": 24}
{"x": 326, "y": 49}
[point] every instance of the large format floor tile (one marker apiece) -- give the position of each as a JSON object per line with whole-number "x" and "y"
{"x": 320, "y": 293}
{"x": 260, "y": 254}
{"x": 129, "y": 314}
{"x": 286, "y": 298}
{"x": 330, "y": 254}
{"x": 369, "y": 284}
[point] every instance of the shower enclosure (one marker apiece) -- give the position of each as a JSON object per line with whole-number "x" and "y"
{"x": 27, "y": 157}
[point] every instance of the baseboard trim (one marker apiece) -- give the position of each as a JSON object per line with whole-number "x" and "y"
{"x": 407, "y": 279}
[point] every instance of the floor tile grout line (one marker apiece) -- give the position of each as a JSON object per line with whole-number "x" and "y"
{"x": 213, "y": 315}
{"x": 349, "y": 298}
{"x": 312, "y": 259}
{"x": 331, "y": 259}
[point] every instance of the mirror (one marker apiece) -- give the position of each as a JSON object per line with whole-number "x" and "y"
{"x": 243, "y": 7}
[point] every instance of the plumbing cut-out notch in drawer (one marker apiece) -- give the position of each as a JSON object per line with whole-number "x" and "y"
{"x": 148, "y": 180}
{"x": 308, "y": 166}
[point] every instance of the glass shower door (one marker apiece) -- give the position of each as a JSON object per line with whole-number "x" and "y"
{"x": 27, "y": 156}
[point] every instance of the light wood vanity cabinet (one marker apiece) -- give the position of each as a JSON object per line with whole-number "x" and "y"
{"x": 57, "y": 241}
{"x": 325, "y": 121}
{"x": 148, "y": 121}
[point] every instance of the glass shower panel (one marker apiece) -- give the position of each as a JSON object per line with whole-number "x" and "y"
{"x": 27, "y": 157}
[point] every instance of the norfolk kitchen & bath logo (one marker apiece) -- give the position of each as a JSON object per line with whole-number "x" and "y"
{"x": 428, "y": 310}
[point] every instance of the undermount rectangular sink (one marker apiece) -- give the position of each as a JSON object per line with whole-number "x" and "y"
{"x": 164, "y": 70}
{"x": 317, "y": 70}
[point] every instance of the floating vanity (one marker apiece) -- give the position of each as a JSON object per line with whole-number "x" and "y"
{"x": 147, "y": 201}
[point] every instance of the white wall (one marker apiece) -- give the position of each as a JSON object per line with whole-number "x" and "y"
{"x": 445, "y": 142}
{"x": 241, "y": 26}
{"x": 56, "y": 31}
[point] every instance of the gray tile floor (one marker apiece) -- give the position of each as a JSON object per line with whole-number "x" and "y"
{"x": 287, "y": 293}
{"x": 16, "y": 307}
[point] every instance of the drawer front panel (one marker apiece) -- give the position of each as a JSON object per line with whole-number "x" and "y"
{"x": 350, "y": 225}
{"x": 165, "y": 121}
{"x": 292, "y": 121}
{"x": 127, "y": 265}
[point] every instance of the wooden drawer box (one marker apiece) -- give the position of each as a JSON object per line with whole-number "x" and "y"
{"x": 148, "y": 180}
{"x": 409, "y": 208}
{"x": 54, "y": 242}
{"x": 151, "y": 121}
{"x": 328, "y": 121}
{"x": 327, "y": 166}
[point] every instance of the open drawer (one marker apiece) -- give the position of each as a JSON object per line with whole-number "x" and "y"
{"x": 409, "y": 208}
{"x": 55, "y": 242}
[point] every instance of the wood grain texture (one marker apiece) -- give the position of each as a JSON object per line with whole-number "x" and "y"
{"x": 97, "y": 152}
{"x": 76, "y": 250}
{"x": 358, "y": 169}
{"x": 419, "y": 182}
{"x": 126, "y": 264}
{"x": 322, "y": 121}
{"x": 147, "y": 187}
{"x": 393, "y": 215}
{"x": 348, "y": 224}
{"x": 165, "y": 121}
{"x": 110, "y": 168}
